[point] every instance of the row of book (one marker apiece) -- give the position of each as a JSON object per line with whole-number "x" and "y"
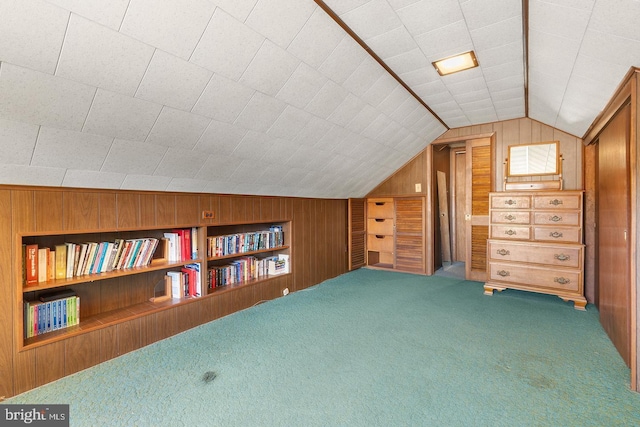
{"x": 239, "y": 243}
{"x": 50, "y": 315}
{"x": 186, "y": 283}
{"x": 245, "y": 269}
{"x": 69, "y": 260}
{"x": 182, "y": 244}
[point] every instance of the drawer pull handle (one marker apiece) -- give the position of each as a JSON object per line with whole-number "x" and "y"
{"x": 555, "y": 218}
{"x": 562, "y": 257}
{"x": 379, "y": 236}
{"x": 561, "y": 280}
{"x": 509, "y": 217}
{"x": 380, "y": 203}
{"x": 555, "y": 202}
{"x": 502, "y": 273}
{"x": 510, "y": 232}
{"x": 510, "y": 202}
{"x": 379, "y": 220}
{"x": 503, "y": 252}
{"x": 555, "y": 234}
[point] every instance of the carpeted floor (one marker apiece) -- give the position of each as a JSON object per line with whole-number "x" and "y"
{"x": 369, "y": 348}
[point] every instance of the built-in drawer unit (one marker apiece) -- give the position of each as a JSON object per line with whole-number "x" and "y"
{"x": 380, "y": 232}
{"x": 535, "y": 243}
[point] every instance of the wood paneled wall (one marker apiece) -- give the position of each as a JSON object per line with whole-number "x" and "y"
{"x": 318, "y": 252}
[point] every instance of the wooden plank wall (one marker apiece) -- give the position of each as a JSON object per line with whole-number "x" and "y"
{"x": 318, "y": 252}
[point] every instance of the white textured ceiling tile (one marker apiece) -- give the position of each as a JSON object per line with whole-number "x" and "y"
{"x": 619, "y": 19}
{"x": 372, "y": 19}
{"x": 17, "y": 141}
{"x": 544, "y": 88}
{"x": 270, "y": 69}
{"x": 31, "y": 175}
{"x": 223, "y": 99}
{"x": 218, "y": 167}
{"x": 508, "y": 104}
{"x": 392, "y": 43}
{"x": 177, "y": 128}
{"x": 408, "y": 61}
{"x": 187, "y": 185}
{"x": 363, "y": 119}
{"x": 498, "y": 55}
{"x": 406, "y": 108}
{"x": 599, "y": 70}
{"x": 434, "y": 99}
{"x": 313, "y": 158}
{"x": 249, "y": 172}
{"x": 331, "y": 140}
{"x": 576, "y": 4}
{"x": 446, "y": 41}
{"x": 239, "y": 9}
{"x": 344, "y": 6}
{"x": 376, "y": 126}
{"x": 504, "y": 84}
{"x": 347, "y": 110}
{"x": 272, "y": 174}
{"x": 558, "y": 20}
{"x": 145, "y": 182}
{"x": 480, "y": 13}
{"x": 260, "y": 113}
{"x": 70, "y": 149}
{"x": 172, "y": 81}
{"x": 133, "y": 157}
{"x": 417, "y": 77}
{"x": 517, "y": 93}
{"x": 427, "y": 15}
{"x": 399, "y": 4}
{"x": 498, "y": 34}
{"x": 610, "y": 48}
{"x": 178, "y": 163}
{"x": 279, "y": 151}
{"x": 101, "y": 57}
{"x": 92, "y": 179}
{"x": 107, "y": 13}
{"x": 311, "y": 133}
{"x": 394, "y": 100}
{"x": 343, "y": 61}
{"x": 172, "y": 26}
{"x": 290, "y": 123}
{"x": 379, "y": 90}
{"x": 317, "y": 39}
{"x": 515, "y": 68}
{"x": 280, "y": 20}
{"x": 363, "y": 77}
{"x": 221, "y": 185}
{"x": 121, "y": 116}
{"x": 328, "y": 98}
{"x": 220, "y": 138}
{"x": 31, "y": 33}
{"x": 390, "y": 134}
{"x": 33, "y": 97}
{"x": 303, "y": 85}
{"x": 227, "y": 46}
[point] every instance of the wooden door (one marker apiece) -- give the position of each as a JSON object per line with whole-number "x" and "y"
{"x": 357, "y": 233}
{"x": 614, "y": 285}
{"x": 409, "y": 234}
{"x": 458, "y": 204}
{"x": 479, "y": 184}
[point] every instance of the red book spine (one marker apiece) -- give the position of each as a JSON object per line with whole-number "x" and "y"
{"x": 31, "y": 264}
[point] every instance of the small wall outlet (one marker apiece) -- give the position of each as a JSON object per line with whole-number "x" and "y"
{"x": 208, "y": 215}
{"x": 285, "y": 292}
{"x": 418, "y": 187}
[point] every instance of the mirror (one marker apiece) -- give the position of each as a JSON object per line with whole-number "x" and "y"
{"x": 533, "y": 159}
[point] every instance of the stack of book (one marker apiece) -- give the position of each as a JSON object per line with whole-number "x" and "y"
{"x": 53, "y": 311}
{"x": 240, "y": 243}
{"x": 186, "y": 283}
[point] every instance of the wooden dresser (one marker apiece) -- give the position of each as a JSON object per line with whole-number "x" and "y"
{"x": 535, "y": 244}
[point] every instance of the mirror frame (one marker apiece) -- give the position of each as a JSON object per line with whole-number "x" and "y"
{"x": 556, "y": 171}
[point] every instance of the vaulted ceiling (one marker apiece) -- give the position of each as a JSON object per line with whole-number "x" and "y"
{"x": 285, "y": 97}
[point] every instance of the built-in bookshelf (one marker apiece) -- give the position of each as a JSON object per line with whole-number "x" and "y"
{"x": 244, "y": 254}
{"x": 115, "y": 275}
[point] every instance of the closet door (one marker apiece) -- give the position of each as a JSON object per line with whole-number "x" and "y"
{"x": 614, "y": 284}
{"x": 357, "y": 233}
{"x": 410, "y": 240}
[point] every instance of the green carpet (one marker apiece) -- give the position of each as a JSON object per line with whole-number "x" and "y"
{"x": 369, "y": 348}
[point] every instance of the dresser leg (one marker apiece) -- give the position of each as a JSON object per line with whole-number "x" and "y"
{"x": 488, "y": 289}
{"x": 578, "y": 304}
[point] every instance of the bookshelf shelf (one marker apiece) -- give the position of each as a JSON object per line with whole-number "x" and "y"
{"x": 261, "y": 251}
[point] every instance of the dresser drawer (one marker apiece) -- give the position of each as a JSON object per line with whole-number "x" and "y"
{"x": 380, "y": 226}
{"x": 536, "y": 253}
{"x": 557, "y": 218}
{"x": 380, "y": 208}
{"x": 559, "y": 279}
{"x": 510, "y": 217}
{"x": 379, "y": 243}
{"x": 558, "y": 234}
{"x": 510, "y": 202}
{"x": 557, "y": 201}
{"x": 510, "y": 232}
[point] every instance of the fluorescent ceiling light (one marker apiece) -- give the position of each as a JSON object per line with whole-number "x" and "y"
{"x": 453, "y": 64}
